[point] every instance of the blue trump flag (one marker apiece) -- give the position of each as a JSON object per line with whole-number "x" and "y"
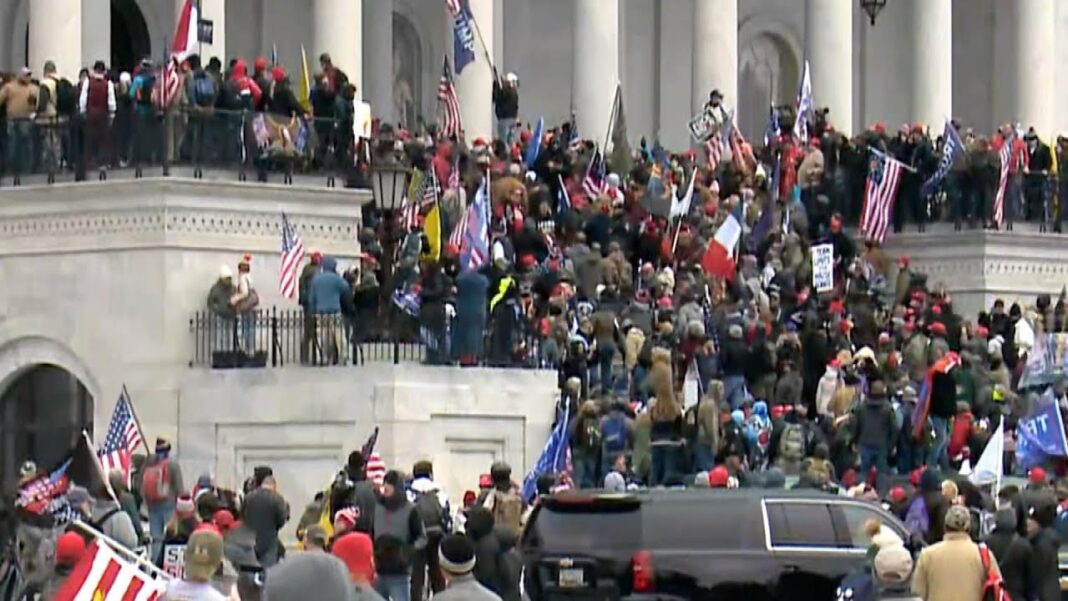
{"x": 553, "y": 458}
{"x": 1041, "y": 434}
{"x": 463, "y": 34}
{"x": 534, "y": 146}
{"x": 952, "y": 148}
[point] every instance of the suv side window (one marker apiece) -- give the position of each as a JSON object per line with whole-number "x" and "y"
{"x": 793, "y": 524}
{"x": 854, "y": 517}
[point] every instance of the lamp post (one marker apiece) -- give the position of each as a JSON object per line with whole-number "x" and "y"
{"x": 388, "y": 184}
{"x": 872, "y": 8}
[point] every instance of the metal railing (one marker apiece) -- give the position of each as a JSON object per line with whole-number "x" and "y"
{"x": 275, "y": 338}
{"x": 143, "y": 141}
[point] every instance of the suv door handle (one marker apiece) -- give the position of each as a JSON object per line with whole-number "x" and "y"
{"x": 791, "y": 568}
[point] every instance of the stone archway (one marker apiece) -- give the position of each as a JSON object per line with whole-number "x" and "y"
{"x": 407, "y": 72}
{"x": 43, "y": 410}
{"x": 130, "y": 39}
{"x": 768, "y": 69}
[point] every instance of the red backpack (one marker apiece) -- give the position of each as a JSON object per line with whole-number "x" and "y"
{"x": 993, "y": 586}
{"x": 156, "y": 482}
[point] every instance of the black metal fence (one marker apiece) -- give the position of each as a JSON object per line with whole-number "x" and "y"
{"x": 272, "y": 337}
{"x": 144, "y": 141}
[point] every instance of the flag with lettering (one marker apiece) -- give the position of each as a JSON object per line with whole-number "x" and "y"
{"x": 1041, "y": 434}
{"x": 553, "y": 458}
{"x": 123, "y": 436}
{"x": 463, "y": 33}
{"x": 101, "y": 575}
{"x": 952, "y": 148}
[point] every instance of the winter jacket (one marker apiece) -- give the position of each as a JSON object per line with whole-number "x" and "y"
{"x": 825, "y": 391}
{"x": 875, "y": 425}
{"x": 950, "y": 570}
{"x": 219, "y": 299}
{"x": 398, "y": 534}
{"x": 265, "y": 512}
{"x": 328, "y": 291}
{"x": 505, "y": 100}
{"x": 466, "y": 588}
{"x": 479, "y": 528}
{"x": 915, "y": 357}
{"x": 1044, "y": 570}
{"x": 18, "y": 100}
{"x": 1013, "y": 553}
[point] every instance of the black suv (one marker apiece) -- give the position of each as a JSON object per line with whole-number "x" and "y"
{"x": 695, "y": 544}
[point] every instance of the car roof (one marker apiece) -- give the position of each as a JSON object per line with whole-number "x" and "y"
{"x": 670, "y": 494}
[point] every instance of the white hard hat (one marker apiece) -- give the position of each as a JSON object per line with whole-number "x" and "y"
{"x": 512, "y": 77}
{"x": 225, "y": 272}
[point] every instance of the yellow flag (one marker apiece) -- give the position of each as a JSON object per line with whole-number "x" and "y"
{"x": 305, "y": 81}
{"x": 326, "y": 521}
{"x": 432, "y": 229}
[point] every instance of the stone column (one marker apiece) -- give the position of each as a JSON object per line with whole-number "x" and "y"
{"x": 378, "y": 58}
{"x": 95, "y": 33}
{"x": 1031, "y": 80}
{"x": 55, "y": 39}
{"x": 829, "y": 48}
{"x": 715, "y": 52}
{"x": 932, "y": 66}
{"x": 214, "y": 11}
{"x": 474, "y": 86}
{"x": 596, "y": 69}
{"x": 338, "y": 30}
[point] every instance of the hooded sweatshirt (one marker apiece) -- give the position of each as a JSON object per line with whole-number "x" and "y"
{"x": 328, "y": 291}
{"x": 875, "y": 423}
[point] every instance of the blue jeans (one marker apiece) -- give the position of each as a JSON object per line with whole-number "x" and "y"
{"x": 394, "y": 587}
{"x": 248, "y": 331}
{"x": 585, "y": 463}
{"x": 665, "y": 459}
{"x": 734, "y": 390}
{"x": 874, "y": 456}
{"x": 158, "y": 516}
{"x": 936, "y": 457}
{"x": 19, "y": 145}
{"x": 606, "y": 353}
{"x": 506, "y": 130}
{"x": 704, "y": 457}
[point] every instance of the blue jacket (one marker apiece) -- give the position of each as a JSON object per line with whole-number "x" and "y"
{"x": 327, "y": 289}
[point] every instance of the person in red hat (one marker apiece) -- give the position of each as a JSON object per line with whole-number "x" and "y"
{"x": 69, "y": 549}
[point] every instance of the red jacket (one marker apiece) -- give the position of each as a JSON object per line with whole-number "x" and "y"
{"x": 962, "y": 431}
{"x": 1019, "y": 152}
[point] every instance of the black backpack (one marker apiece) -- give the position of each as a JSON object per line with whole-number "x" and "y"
{"x": 229, "y": 97}
{"x": 66, "y": 97}
{"x": 430, "y": 510}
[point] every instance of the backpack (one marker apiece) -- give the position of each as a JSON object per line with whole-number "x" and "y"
{"x": 792, "y": 443}
{"x": 144, "y": 93}
{"x": 156, "y": 482}
{"x": 733, "y": 440}
{"x": 591, "y": 433}
{"x": 429, "y": 507}
{"x": 229, "y": 96}
{"x": 99, "y": 524}
{"x": 614, "y": 434}
{"x": 203, "y": 90}
{"x": 66, "y": 97}
{"x": 993, "y": 585}
{"x": 44, "y": 98}
{"x": 507, "y": 509}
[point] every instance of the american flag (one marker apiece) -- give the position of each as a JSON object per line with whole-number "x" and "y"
{"x": 102, "y": 575}
{"x": 430, "y": 190}
{"x": 450, "y": 124}
{"x": 375, "y": 469}
{"x": 805, "y": 105}
{"x": 456, "y": 238}
{"x": 123, "y": 436}
{"x": 594, "y": 182}
{"x": 454, "y": 175}
{"x": 410, "y": 208}
{"x": 1005, "y": 157}
{"x": 185, "y": 39}
{"x": 884, "y": 178}
{"x": 292, "y": 257}
{"x": 714, "y": 149}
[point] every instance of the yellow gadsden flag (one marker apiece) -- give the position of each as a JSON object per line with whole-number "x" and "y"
{"x": 305, "y": 81}
{"x": 432, "y": 229}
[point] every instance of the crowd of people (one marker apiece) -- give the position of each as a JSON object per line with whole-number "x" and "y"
{"x": 201, "y": 114}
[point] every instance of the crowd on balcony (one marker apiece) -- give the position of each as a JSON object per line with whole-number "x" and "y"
{"x": 207, "y": 114}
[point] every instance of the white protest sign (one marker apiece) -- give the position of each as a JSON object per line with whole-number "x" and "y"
{"x": 174, "y": 560}
{"x": 703, "y": 125}
{"x": 361, "y": 119}
{"x": 823, "y": 267}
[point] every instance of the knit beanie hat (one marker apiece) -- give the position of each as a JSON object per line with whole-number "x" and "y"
{"x": 356, "y": 550}
{"x": 958, "y": 519}
{"x": 304, "y": 573}
{"x": 184, "y": 507}
{"x": 457, "y": 554}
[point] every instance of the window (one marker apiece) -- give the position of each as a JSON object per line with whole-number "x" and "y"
{"x": 800, "y": 525}
{"x": 721, "y": 525}
{"x": 568, "y": 531}
{"x": 855, "y": 516}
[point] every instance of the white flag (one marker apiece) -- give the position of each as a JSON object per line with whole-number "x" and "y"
{"x": 990, "y": 465}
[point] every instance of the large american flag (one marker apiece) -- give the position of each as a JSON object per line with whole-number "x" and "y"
{"x": 169, "y": 84}
{"x": 1005, "y": 157}
{"x": 123, "y": 436}
{"x": 102, "y": 575}
{"x": 456, "y": 238}
{"x": 884, "y": 179}
{"x": 450, "y": 124}
{"x": 594, "y": 183}
{"x": 292, "y": 257}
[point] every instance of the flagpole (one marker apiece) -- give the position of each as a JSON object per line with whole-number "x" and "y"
{"x": 99, "y": 467}
{"x": 117, "y": 547}
{"x": 478, "y": 32}
{"x": 617, "y": 99}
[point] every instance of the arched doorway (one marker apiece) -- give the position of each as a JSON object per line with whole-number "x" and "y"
{"x": 768, "y": 72}
{"x": 42, "y": 413}
{"x": 130, "y": 41}
{"x": 407, "y": 72}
